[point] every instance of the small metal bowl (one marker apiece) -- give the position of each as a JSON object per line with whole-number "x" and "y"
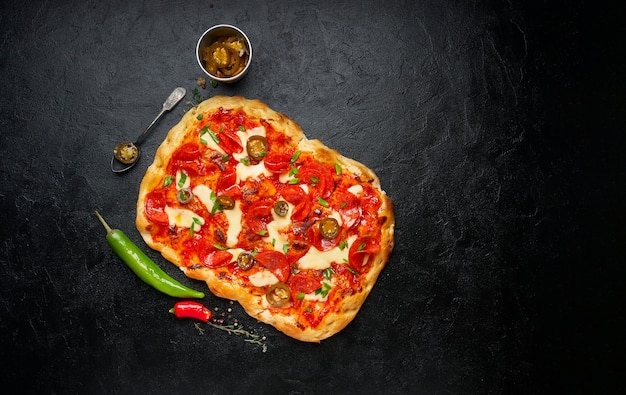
{"x": 210, "y": 36}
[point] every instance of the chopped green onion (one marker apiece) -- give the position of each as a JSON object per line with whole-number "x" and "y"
{"x": 245, "y": 161}
{"x": 328, "y": 273}
{"x": 183, "y": 178}
{"x": 213, "y": 83}
{"x": 199, "y": 117}
{"x": 361, "y": 246}
{"x": 225, "y": 158}
{"x": 351, "y": 270}
{"x": 343, "y": 244}
{"x": 323, "y": 290}
{"x": 315, "y": 180}
{"x": 285, "y": 248}
{"x": 293, "y": 171}
{"x": 337, "y": 169}
{"x": 220, "y": 247}
{"x": 262, "y": 232}
{"x": 295, "y": 157}
{"x": 300, "y": 296}
{"x": 294, "y": 181}
{"x": 322, "y": 202}
{"x": 168, "y": 181}
{"x": 343, "y": 204}
{"x": 241, "y": 128}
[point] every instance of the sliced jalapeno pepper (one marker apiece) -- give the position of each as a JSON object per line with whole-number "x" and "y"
{"x": 329, "y": 228}
{"x": 278, "y": 295}
{"x": 226, "y": 202}
{"x": 245, "y": 261}
{"x": 257, "y": 147}
{"x": 281, "y": 208}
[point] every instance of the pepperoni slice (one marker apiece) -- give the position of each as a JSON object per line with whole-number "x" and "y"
{"x": 301, "y": 283}
{"x": 229, "y": 141}
{"x": 296, "y": 196}
{"x": 277, "y": 162}
{"x": 226, "y": 180}
{"x": 321, "y": 243}
{"x": 155, "y": 207}
{"x": 348, "y": 207}
{"x": 318, "y": 177}
{"x": 258, "y": 214}
{"x": 276, "y": 262}
{"x": 361, "y": 249}
{"x": 217, "y": 259}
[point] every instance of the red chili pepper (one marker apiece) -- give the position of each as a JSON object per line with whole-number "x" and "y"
{"x": 189, "y": 309}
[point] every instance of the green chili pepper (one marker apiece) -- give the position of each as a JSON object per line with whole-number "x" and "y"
{"x": 143, "y": 266}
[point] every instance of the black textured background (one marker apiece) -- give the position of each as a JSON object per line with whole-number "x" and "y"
{"x": 495, "y": 126}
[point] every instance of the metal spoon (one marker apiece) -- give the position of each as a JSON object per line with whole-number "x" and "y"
{"x": 127, "y": 153}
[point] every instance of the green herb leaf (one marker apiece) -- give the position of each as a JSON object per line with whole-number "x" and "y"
{"x": 191, "y": 229}
{"x": 343, "y": 204}
{"x": 343, "y": 244}
{"x": 241, "y": 128}
{"x": 213, "y": 136}
{"x": 213, "y": 83}
{"x": 315, "y": 180}
{"x": 220, "y": 247}
{"x": 300, "y": 296}
{"x": 295, "y": 157}
{"x": 262, "y": 232}
{"x": 323, "y": 290}
{"x": 328, "y": 273}
{"x": 293, "y": 171}
{"x": 245, "y": 161}
{"x": 322, "y": 202}
{"x": 199, "y": 117}
{"x": 351, "y": 270}
{"x": 361, "y": 246}
{"x": 183, "y": 178}
{"x": 285, "y": 248}
{"x": 225, "y": 158}
{"x": 168, "y": 181}
{"x": 337, "y": 169}
{"x": 309, "y": 310}
{"x": 294, "y": 181}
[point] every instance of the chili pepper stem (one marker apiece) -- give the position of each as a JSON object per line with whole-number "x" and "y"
{"x": 104, "y": 223}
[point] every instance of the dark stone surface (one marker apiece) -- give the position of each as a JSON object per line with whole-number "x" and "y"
{"x": 496, "y": 127}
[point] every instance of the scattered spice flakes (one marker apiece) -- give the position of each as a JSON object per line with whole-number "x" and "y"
{"x": 201, "y": 82}
{"x": 221, "y": 320}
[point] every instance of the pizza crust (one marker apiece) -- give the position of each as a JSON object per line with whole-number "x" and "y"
{"x": 253, "y": 302}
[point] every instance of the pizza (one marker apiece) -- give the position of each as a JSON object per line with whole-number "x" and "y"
{"x": 239, "y": 197}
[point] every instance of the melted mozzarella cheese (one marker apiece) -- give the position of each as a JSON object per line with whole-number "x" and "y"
{"x": 183, "y": 218}
{"x": 205, "y": 138}
{"x": 320, "y": 260}
{"x": 356, "y": 190}
{"x": 233, "y": 216}
{"x": 244, "y": 135}
{"x": 234, "y": 224}
{"x": 276, "y": 225}
{"x": 263, "y": 278}
{"x": 204, "y": 193}
{"x": 253, "y": 171}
